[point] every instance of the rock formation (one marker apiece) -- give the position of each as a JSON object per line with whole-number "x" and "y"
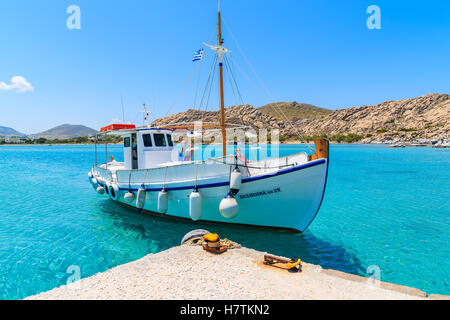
{"x": 426, "y": 117}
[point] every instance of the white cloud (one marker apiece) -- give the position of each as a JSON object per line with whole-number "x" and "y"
{"x": 18, "y": 83}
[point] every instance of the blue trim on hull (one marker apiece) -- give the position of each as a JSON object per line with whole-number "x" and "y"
{"x": 250, "y": 179}
{"x": 245, "y": 180}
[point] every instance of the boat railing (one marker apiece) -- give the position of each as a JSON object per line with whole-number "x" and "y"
{"x": 274, "y": 165}
{"x": 271, "y": 165}
{"x": 179, "y": 173}
{"x": 196, "y": 170}
{"x": 103, "y": 173}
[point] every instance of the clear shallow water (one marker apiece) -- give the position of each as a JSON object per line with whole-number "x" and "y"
{"x": 384, "y": 207}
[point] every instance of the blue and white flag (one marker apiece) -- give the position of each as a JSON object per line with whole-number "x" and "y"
{"x": 198, "y": 55}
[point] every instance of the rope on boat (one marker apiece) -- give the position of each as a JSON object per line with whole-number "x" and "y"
{"x": 199, "y": 241}
{"x": 208, "y": 86}
{"x": 129, "y": 180}
{"x": 268, "y": 95}
{"x": 188, "y": 80}
{"x": 165, "y": 177}
{"x": 146, "y": 173}
{"x": 233, "y": 82}
{"x": 196, "y": 175}
{"x": 198, "y": 80}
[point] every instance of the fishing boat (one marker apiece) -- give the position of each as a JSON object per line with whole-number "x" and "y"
{"x": 279, "y": 192}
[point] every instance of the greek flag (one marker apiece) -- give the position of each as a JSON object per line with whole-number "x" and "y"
{"x": 198, "y": 55}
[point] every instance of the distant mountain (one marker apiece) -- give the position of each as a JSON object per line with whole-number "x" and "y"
{"x": 66, "y": 131}
{"x": 294, "y": 110}
{"x": 6, "y": 131}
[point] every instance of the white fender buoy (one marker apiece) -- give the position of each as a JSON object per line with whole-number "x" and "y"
{"x": 195, "y": 205}
{"x": 163, "y": 201}
{"x": 100, "y": 190}
{"x": 114, "y": 192}
{"x": 129, "y": 196}
{"x": 229, "y": 207}
{"x": 235, "y": 181}
{"x": 140, "y": 198}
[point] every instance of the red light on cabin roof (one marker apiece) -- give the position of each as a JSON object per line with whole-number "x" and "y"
{"x": 114, "y": 127}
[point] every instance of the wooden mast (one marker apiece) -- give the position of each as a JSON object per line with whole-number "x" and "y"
{"x": 222, "y": 100}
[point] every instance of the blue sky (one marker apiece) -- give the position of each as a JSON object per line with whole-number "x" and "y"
{"x": 314, "y": 51}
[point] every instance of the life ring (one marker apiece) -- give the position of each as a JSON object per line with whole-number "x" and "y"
{"x": 114, "y": 192}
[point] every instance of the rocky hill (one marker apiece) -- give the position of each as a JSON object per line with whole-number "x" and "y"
{"x": 426, "y": 117}
{"x": 65, "y": 131}
{"x": 294, "y": 110}
{"x": 241, "y": 114}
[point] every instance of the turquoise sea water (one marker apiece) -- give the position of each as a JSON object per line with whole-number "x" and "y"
{"x": 387, "y": 207}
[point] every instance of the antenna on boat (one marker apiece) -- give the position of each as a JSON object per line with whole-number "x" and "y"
{"x": 123, "y": 112}
{"x": 146, "y": 115}
{"x": 153, "y": 95}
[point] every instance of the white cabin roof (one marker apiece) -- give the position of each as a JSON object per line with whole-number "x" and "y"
{"x": 123, "y": 132}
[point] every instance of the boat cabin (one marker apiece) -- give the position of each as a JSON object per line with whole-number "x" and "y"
{"x": 145, "y": 148}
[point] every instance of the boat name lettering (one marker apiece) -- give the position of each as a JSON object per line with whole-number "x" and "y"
{"x": 258, "y": 194}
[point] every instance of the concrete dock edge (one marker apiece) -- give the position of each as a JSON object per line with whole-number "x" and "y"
{"x": 189, "y": 273}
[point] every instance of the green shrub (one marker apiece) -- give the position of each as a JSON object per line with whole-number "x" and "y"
{"x": 349, "y": 138}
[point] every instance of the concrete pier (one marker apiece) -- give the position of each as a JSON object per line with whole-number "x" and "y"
{"x": 189, "y": 272}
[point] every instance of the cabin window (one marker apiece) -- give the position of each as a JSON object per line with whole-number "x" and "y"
{"x": 147, "y": 140}
{"x": 126, "y": 142}
{"x": 169, "y": 140}
{"x": 160, "y": 140}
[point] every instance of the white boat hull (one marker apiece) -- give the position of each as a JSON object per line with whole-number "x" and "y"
{"x": 288, "y": 198}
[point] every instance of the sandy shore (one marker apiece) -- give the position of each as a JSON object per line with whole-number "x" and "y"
{"x": 189, "y": 272}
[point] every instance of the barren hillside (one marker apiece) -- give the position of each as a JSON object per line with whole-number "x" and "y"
{"x": 425, "y": 117}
